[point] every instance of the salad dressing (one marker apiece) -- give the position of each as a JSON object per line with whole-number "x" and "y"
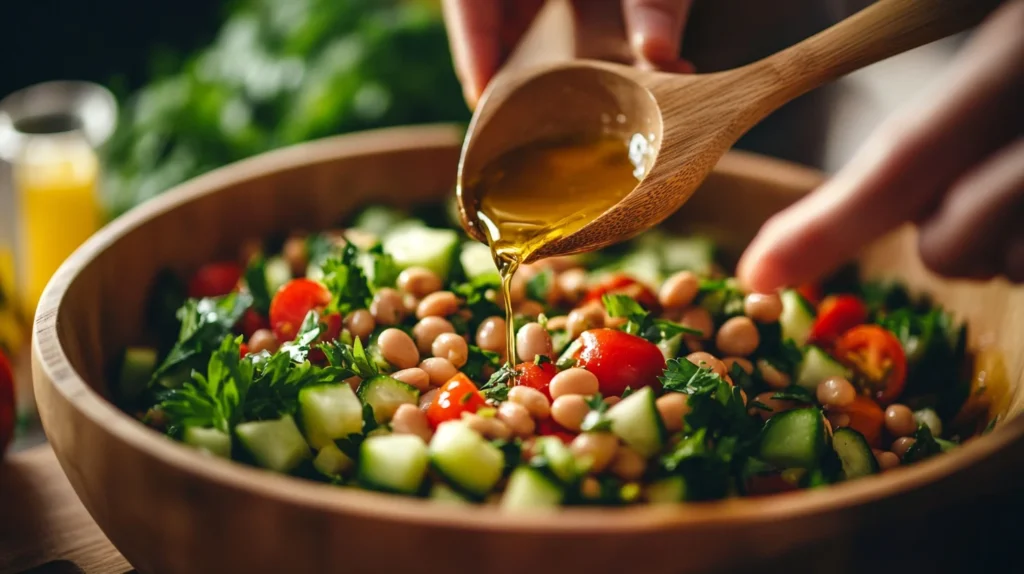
{"x": 544, "y": 191}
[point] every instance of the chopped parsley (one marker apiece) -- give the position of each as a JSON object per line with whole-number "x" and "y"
{"x": 346, "y": 281}
{"x": 795, "y": 393}
{"x": 641, "y": 322}
{"x": 256, "y": 283}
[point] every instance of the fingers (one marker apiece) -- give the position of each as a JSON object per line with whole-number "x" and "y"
{"x": 473, "y": 32}
{"x": 903, "y": 170}
{"x": 972, "y": 232}
{"x": 482, "y": 33}
{"x": 655, "y": 30}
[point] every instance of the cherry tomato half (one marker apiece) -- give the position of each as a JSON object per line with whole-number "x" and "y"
{"x": 243, "y": 350}
{"x": 620, "y": 360}
{"x": 215, "y": 280}
{"x": 459, "y": 395}
{"x": 836, "y": 315}
{"x": 866, "y": 417}
{"x": 877, "y": 358}
{"x": 6, "y": 404}
{"x": 622, "y": 284}
{"x": 292, "y": 303}
{"x": 536, "y": 376}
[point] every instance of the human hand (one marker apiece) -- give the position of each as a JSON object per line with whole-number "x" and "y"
{"x": 953, "y": 163}
{"x": 483, "y": 33}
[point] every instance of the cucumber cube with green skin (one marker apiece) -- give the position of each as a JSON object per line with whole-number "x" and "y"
{"x": 415, "y": 245}
{"x": 635, "y": 420}
{"x": 854, "y": 453}
{"x": 393, "y": 462}
{"x": 529, "y": 489}
{"x": 276, "y": 444}
{"x": 816, "y": 367}
{"x": 385, "y": 395}
{"x": 213, "y": 441}
{"x": 466, "y": 459}
{"x": 667, "y": 490}
{"x": 331, "y": 462}
{"x": 797, "y": 317}
{"x": 477, "y": 261}
{"x": 330, "y": 412}
{"x": 794, "y": 439}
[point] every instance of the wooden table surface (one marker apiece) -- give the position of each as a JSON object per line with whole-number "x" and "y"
{"x": 44, "y": 529}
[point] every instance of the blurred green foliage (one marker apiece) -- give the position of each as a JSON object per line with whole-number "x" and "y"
{"x": 282, "y": 72}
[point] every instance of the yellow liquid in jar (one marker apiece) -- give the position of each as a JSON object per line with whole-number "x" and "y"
{"x": 56, "y": 182}
{"x": 547, "y": 190}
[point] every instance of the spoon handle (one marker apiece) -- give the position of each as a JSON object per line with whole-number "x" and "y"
{"x": 886, "y": 28}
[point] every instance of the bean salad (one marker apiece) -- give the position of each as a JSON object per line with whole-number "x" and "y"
{"x": 373, "y": 356}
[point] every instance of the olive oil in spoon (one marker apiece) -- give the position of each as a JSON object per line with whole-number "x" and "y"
{"x": 543, "y": 191}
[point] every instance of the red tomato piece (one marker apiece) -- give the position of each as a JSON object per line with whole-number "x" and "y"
{"x": 811, "y": 291}
{"x": 836, "y": 315}
{"x": 292, "y": 303}
{"x": 243, "y": 350}
{"x": 459, "y": 395}
{"x": 6, "y": 404}
{"x": 215, "y": 280}
{"x": 536, "y": 376}
{"x": 867, "y": 418}
{"x": 622, "y": 284}
{"x": 877, "y": 358}
{"x": 620, "y": 360}
{"x": 548, "y": 427}
{"x": 251, "y": 322}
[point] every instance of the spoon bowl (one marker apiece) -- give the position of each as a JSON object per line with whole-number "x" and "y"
{"x": 689, "y": 121}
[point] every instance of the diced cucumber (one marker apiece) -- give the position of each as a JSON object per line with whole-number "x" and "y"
{"x": 314, "y": 272}
{"x": 930, "y": 419}
{"x": 854, "y": 453}
{"x": 670, "y": 347}
{"x": 667, "y": 490}
{"x": 695, "y": 254}
{"x": 330, "y": 461}
{"x": 644, "y": 266}
{"x": 385, "y": 395}
{"x": 529, "y": 489}
{"x": 559, "y": 458}
{"x": 636, "y": 421}
{"x": 136, "y": 370}
{"x": 394, "y": 462}
{"x": 797, "y": 317}
{"x": 213, "y": 441}
{"x": 413, "y": 244}
{"x": 379, "y": 220}
{"x": 794, "y": 439}
{"x": 329, "y": 412}
{"x": 277, "y": 445}
{"x": 443, "y": 493}
{"x": 277, "y": 272}
{"x": 477, "y": 261}
{"x": 465, "y": 458}
{"x": 816, "y": 366}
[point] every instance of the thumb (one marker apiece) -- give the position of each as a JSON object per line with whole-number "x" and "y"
{"x": 655, "y": 28}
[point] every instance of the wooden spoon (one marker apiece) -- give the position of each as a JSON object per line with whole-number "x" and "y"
{"x": 690, "y": 120}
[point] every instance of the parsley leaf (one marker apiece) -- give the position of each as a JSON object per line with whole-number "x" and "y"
{"x": 721, "y": 297}
{"x": 256, "y": 283}
{"x": 496, "y": 388}
{"x": 682, "y": 376}
{"x": 795, "y": 393}
{"x": 213, "y": 399}
{"x": 478, "y": 360}
{"x": 346, "y": 281}
{"x": 350, "y": 360}
{"x": 204, "y": 325}
{"x": 640, "y": 322}
{"x": 480, "y": 295}
{"x": 924, "y": 446}
{"x": 595, "y": 420}
{"x": 538, "y": 287}
{"x": 385, "y": 270}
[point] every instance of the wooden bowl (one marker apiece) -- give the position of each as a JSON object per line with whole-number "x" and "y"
{"x": 168, "y": 508}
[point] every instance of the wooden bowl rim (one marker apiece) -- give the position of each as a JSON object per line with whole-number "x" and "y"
{"x": 50, "y": 360}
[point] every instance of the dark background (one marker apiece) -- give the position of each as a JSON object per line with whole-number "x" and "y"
{"x": 110, "y": 42}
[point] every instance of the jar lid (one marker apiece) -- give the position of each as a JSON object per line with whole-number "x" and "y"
{"x": 53, "y": 108}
